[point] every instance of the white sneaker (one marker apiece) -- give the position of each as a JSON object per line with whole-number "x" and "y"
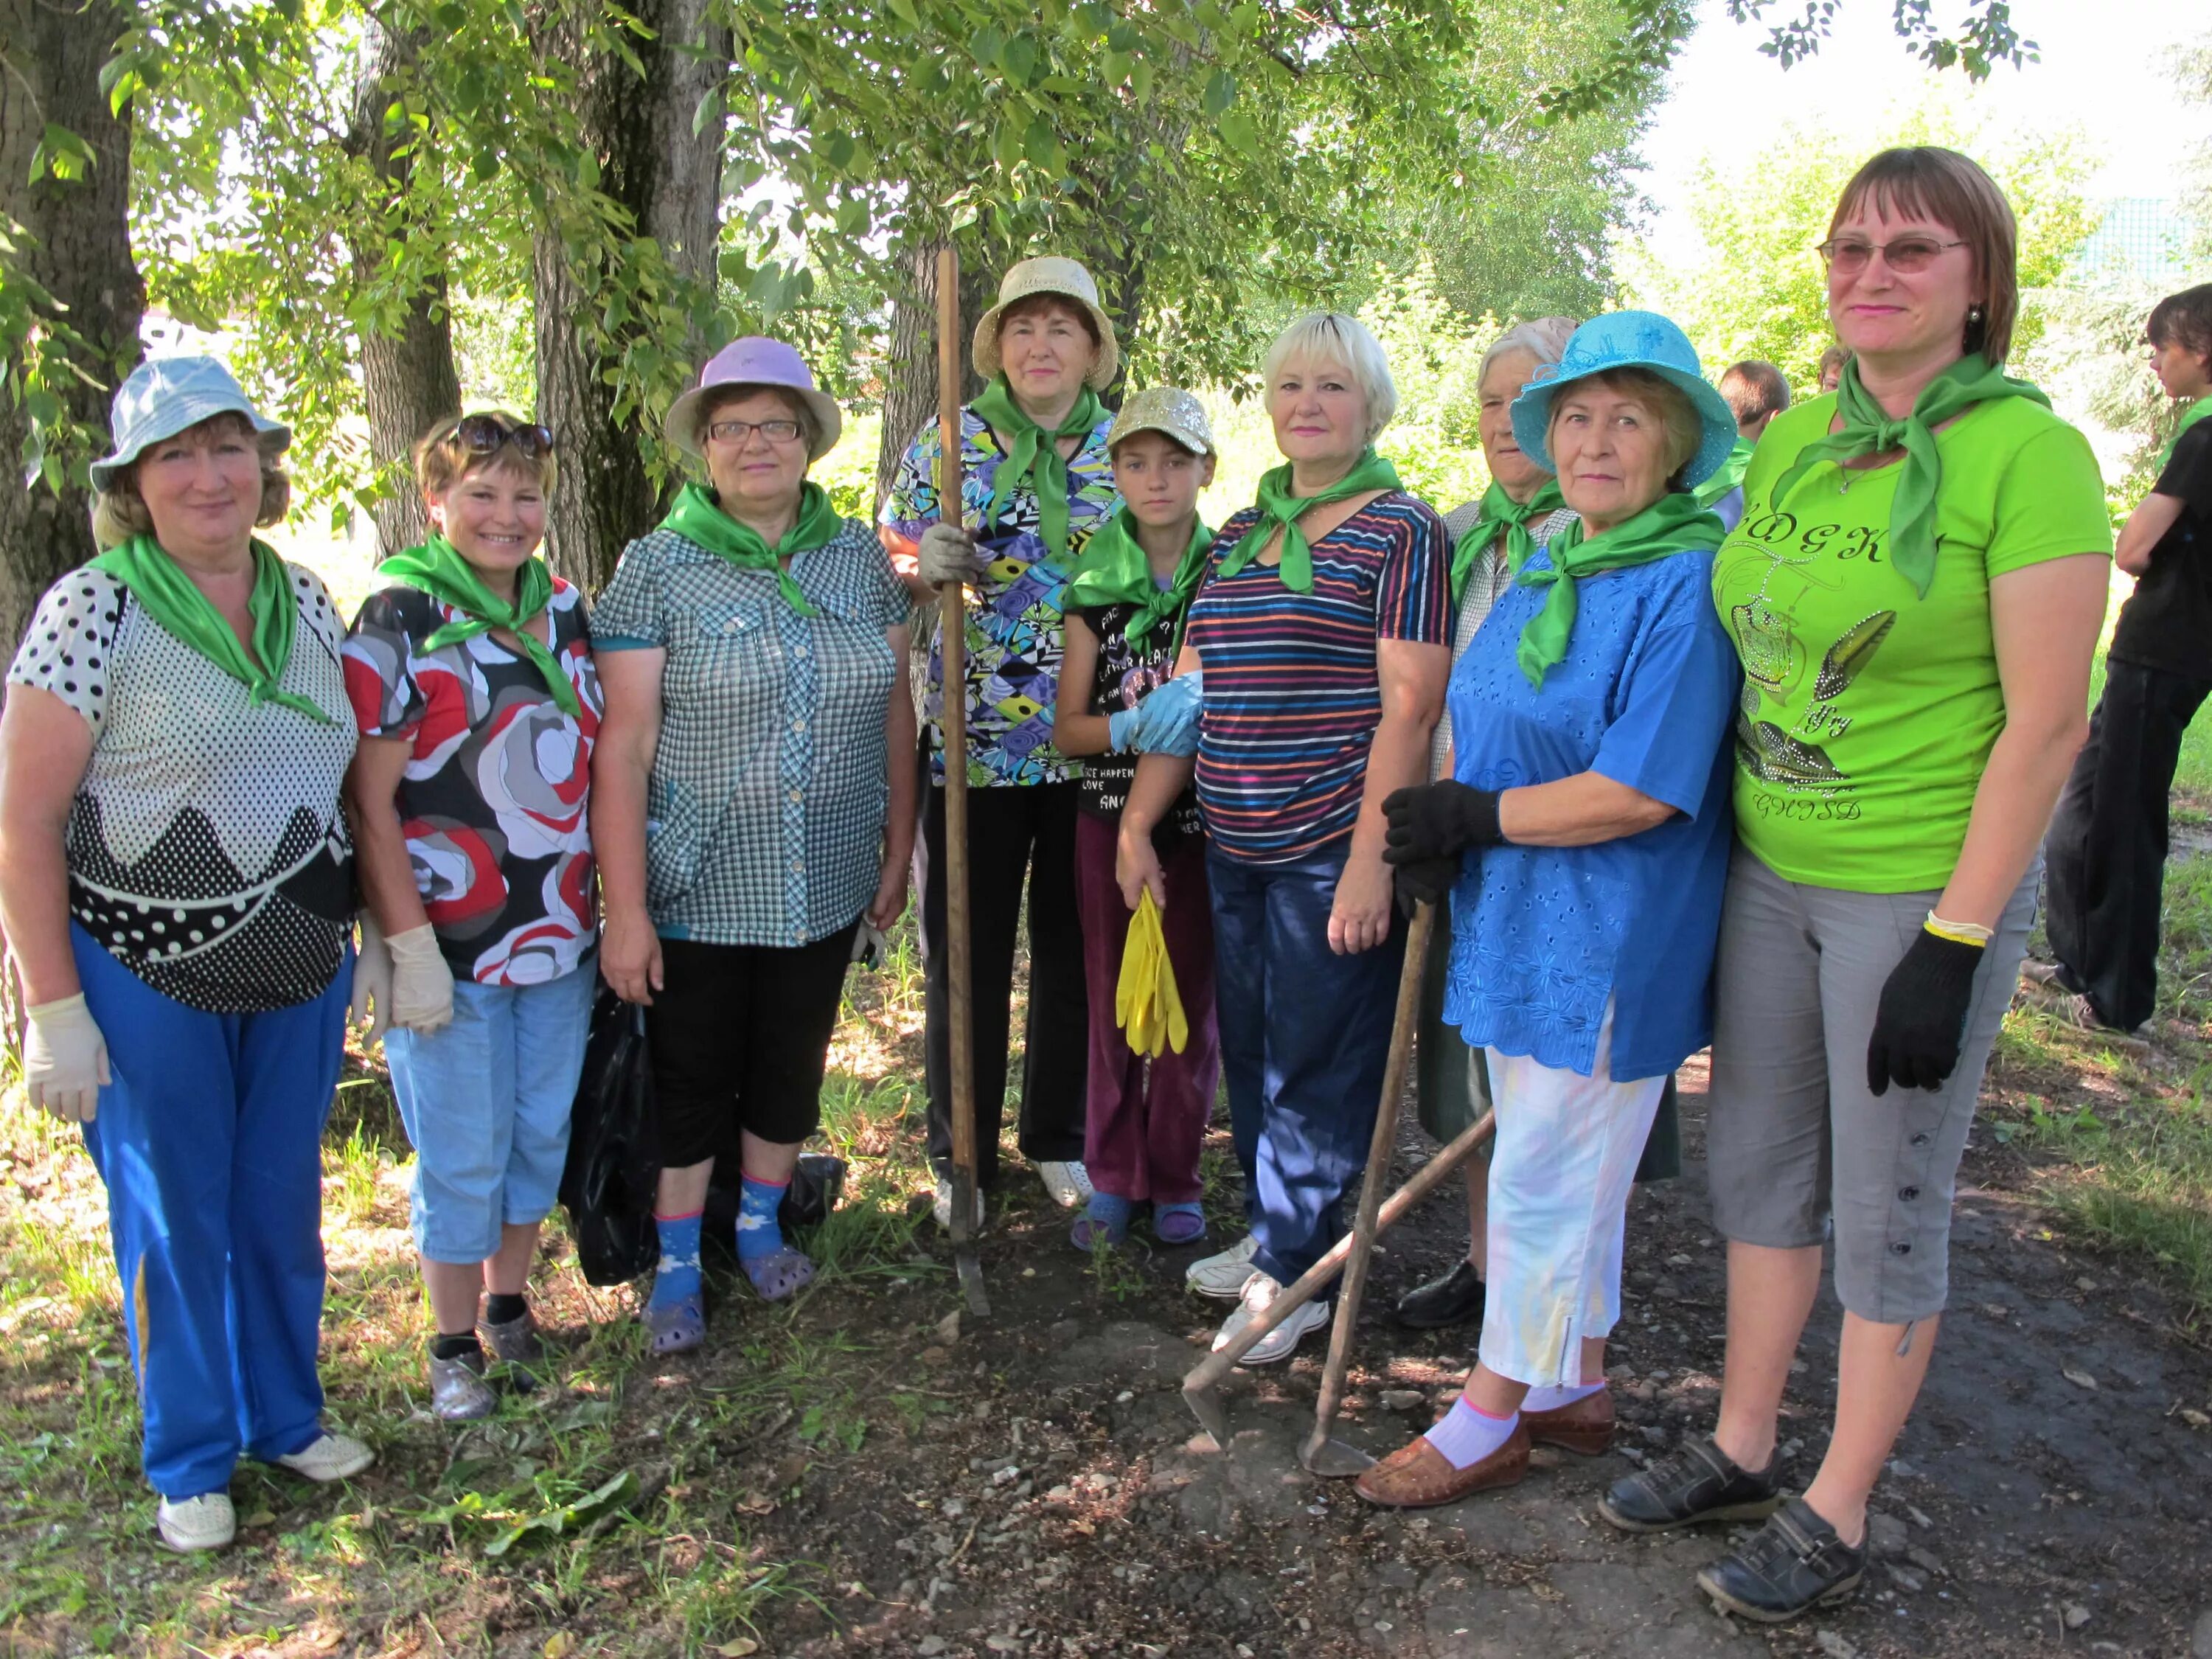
{"x": 1260, "y": 1293}
{"x": 1222, "y": 1277}
{"x": 942, "y": 1207}
{"x": 205, "y": 1522}
{"x": 1068, "y": 1183}
{"x": 330, "y": 1457}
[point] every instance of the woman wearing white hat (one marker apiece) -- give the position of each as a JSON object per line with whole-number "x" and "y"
{"x": 175, "y": 877}
{"x": 1039, "y": 481}
{"x": 752, "y": 799}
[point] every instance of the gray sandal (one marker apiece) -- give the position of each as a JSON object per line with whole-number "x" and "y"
{"x": 779, "y": 1274}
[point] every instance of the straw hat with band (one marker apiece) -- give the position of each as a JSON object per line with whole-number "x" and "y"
{"x": 1164, "y": 409}
{"x": 169, "y": 395}
{"x": 1063, "y": 279}
{"x": 755, "y": 361}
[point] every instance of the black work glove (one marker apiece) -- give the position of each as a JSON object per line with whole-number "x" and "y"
{"x": 1429, "y": 881}
{"x": 1921, "y": 1017}
{"x": 1434, "y": 821}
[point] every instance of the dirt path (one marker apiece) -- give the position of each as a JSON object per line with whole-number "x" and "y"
{"x": 2047, "y": 1499}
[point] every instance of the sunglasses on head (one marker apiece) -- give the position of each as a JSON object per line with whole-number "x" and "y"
{"x": 483, "y": 434}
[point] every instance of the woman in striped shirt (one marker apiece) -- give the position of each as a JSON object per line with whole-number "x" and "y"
{"x": 1324, "y": 630}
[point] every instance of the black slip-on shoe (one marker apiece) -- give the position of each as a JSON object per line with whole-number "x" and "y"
{"x": 1795, "y": 1563}
{"x": 1454, "y": 1299}
{"x": 1698, "y": 1481}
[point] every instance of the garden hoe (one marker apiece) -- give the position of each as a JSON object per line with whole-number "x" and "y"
{"x": 1322, "y": 1454}
{"x": 952, "y": 629}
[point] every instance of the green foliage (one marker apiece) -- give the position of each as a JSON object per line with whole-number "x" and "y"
{"x": 1434, "y": 353}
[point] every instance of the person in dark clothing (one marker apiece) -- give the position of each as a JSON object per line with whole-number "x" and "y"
{"x": 2106, "y": 850}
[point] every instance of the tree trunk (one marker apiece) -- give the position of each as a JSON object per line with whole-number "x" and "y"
{"x": 78, "y": 249}
{"x": 668, "y": 182}
{"x": 910, "y": 362}
{"x": 407, "y": 372}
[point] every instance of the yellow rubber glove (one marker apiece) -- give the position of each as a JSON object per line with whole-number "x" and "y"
{"x": 1146, "y": 1004}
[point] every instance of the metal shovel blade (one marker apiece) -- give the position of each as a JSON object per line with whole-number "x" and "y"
{"x": 1331, "y": 1460}
{"x": 971, "y": 1283}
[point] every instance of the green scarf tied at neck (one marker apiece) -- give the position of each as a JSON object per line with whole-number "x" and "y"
{"x": 174, "y": 600}
{"x": 1869, "y": 430}
{"x": 1673, "y": 524}
{"x": 1278, "y": 507}
{"x": 1035, "y": 456}
{"x": 1116, "y": 569}
{"x": 698, "y": 517}
{"x": 1500, "y": 511}
{"x": 1727, "y": 476}
{"x": 436, "y": 568}
{"x": 2190, "y": 417}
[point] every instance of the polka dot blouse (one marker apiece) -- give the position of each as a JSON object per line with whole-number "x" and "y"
{"x": 206, "y": 850}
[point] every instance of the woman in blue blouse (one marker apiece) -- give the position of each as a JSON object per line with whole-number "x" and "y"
{"x": 752, "y": 799}
{"x": 1583, "y": 842}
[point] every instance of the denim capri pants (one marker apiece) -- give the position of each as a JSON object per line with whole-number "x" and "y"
{"x": 486, "y": 1102}
{"x": 1798, "y": 1149}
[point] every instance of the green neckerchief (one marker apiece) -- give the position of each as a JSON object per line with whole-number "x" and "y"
{"x": 1869, "y": 430}
{"x": 1500, "y": 510}
{"x": 174, "y": 600}
{"x": 1727, "y": 475}
{"x": 436, "y": 568}
{"x": 2190, "y": 417}
{"x": 1278, "y": 507}
{"x": 1116, "y": 569}
{"x": 1673, "y": 524}
{"x": 698, "y": 517}
{"x": 1035, "y": 456}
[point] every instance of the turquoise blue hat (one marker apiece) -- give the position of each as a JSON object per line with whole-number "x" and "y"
{"x": 1627, "y": 339}
{"x": 166, "y": 395}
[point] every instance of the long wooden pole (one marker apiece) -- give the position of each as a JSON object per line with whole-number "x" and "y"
{"x": 952, "y": 629}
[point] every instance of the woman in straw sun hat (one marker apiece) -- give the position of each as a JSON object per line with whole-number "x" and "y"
{"x": 1038, "y": 482}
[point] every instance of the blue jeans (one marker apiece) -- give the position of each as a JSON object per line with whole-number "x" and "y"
{"x": 208, "y": 1140}
{"x": 1305, "y": 1038}
{"x": 486, "y": 1102}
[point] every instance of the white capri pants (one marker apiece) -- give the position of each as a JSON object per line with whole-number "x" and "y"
{"x": 1566, "y": 1158}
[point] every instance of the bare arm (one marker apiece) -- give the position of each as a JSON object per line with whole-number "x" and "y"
{"x": 45, "y": 747}
{"x": 2146, "y": 527}
{"x": 2045, "y": 619}
{"x": 1411, "y": 677}
{"x": 1576, "y": 811}
{"x": 1159, "y": 782}
{"x": 1075, "y": 729}
{"x": 387, "y": 874}
{"x": 621, "y": 763}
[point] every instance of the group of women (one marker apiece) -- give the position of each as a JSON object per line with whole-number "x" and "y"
{"x": 1777, "y": 789}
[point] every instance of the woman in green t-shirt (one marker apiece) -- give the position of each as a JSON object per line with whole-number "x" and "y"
{"x": 1915, "y": 591}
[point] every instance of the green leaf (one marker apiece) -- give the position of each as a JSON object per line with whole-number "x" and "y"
{"x": 709, "y": 112}
{"x": 1239, "y": 134}
{"x": 986, "y": 43}
{"x": 1020, "y": 59}
{"x": 1220, "y": 93}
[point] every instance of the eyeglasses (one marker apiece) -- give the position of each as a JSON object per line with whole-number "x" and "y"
{"x": 1848, "y": 255}
{"x": 483, "y": 434}
{"x": 736, "y": 432}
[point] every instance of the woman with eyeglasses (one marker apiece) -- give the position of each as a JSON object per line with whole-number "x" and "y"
{"x": 472, "y": 683}
{"x": 1915, "y": 592}
{"x": 176, "y": 880}
{"x": 753, "y": 800}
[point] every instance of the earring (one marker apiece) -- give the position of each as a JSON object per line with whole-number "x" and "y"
{"x": 1974, "y": 313}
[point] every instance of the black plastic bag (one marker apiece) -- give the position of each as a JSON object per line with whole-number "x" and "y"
{"x": 816, "y": 1186}
{"x": 613, "y": 1167}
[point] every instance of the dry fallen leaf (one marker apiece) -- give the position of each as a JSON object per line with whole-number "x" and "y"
{"x": 755, "y": 1503}
{"x": 738, "y": 1648}
{"x": 2079, "y": 1379}
{"x": 2195, "y": 1419}
{"x": 560, "y": 1643}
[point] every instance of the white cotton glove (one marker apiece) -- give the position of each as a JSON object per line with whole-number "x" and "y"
{"x": 947, "y": 554}
{"x": 371, "y": 1005}
{"x": 65, "y": 1059}
{"x": 422, "y": 984}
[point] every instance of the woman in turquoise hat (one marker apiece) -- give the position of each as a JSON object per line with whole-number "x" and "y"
{"x": 176, "y": 881}
{"x": 1582, "y": 842}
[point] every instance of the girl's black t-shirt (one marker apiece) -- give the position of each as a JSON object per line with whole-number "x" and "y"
{"x": 2167, "y": 622}
{"x": 1124, "y": 675}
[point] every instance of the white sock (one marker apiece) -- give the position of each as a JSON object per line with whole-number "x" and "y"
{"x": 1466, "y": 1436}
{"x": 1550, "y": 1399}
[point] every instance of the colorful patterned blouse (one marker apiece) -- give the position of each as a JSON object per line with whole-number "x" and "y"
{"x": 1014, "y": 637}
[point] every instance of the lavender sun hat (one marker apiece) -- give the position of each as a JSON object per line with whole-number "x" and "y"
{"x": 754, "y": 361}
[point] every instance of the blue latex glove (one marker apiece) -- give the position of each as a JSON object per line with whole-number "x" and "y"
{"x": 1170, "y": 724}
{"x": 1125, "y": 729}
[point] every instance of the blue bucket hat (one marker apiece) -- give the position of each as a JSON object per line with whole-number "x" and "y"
{"x": 1627, "y": 339}
{"x": 166, "y": 395}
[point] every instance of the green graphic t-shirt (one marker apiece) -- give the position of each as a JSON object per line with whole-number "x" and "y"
{"x": 1867, "y": 713}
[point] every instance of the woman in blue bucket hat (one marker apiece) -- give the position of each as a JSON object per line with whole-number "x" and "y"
{"x": 176, "y": 879}
{"x": 1582, "y": 842}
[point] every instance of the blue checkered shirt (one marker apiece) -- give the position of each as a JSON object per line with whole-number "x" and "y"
{"x": 765, "y": 812}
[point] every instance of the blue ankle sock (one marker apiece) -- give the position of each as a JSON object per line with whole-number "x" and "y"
{"x": 758, "y": 1234}
{"x": 1107, "y": 1211}
{"x": 677, "y": 1276}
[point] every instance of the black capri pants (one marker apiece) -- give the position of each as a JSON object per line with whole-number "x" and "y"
{"x": 739, "y": 1035}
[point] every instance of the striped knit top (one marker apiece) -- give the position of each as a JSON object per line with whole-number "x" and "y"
{"x": 1292, "y": 697}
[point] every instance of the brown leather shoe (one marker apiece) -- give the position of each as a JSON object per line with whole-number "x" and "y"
{"x": 1584, "y": 1428}
{"x": 1418, "y": 1475}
